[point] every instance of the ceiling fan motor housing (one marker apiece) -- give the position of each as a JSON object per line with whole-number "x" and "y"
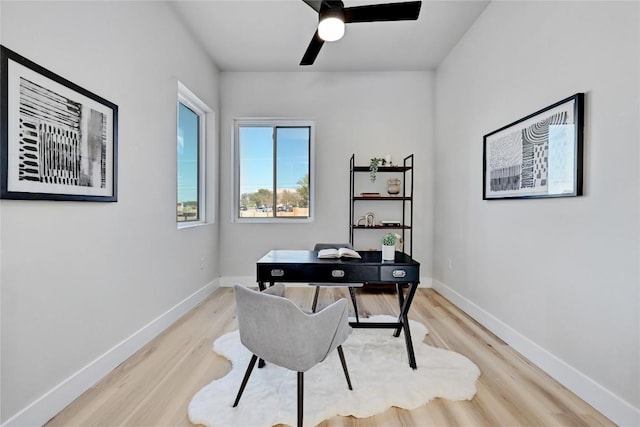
{"x": 331, "y": 24}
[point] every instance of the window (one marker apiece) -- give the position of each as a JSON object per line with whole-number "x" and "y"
{"x": 190, "y": 158}
{"x": 274, "y": 170}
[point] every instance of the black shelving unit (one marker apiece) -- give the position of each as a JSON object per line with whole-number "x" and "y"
{"x": 405, "y": 199}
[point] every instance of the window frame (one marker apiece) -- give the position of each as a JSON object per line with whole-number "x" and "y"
{"x": 235, "y": 161}
{"x": 190, "y": 100}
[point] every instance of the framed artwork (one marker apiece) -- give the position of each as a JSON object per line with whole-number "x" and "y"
{"x": 58, "y": 141}
{"x": 537, "y": 156}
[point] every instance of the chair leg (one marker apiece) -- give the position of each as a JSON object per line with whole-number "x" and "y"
{"x": 247, "y": 374}
{"x": 300, "y": 397}
{"x": 315, "y": 300}
{"x": 352, "y": 292}
{"x": 344, "y": 367}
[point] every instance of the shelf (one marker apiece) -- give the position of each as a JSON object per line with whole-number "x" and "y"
{"x": 383, "y": 227}
{"x": 360, "y": 192}
{"x": 383, "y": 168}
{"x": 376, "y": 198}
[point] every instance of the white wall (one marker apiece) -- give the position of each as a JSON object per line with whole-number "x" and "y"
{"x": 369, "y": 114}
{"x": 562, "y": 274}
{"x": 79, "y": 279}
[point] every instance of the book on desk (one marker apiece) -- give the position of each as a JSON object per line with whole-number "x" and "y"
{"x": 338, "y": 253}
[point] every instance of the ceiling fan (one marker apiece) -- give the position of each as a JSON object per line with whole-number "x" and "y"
{"x": 332, "y": 15}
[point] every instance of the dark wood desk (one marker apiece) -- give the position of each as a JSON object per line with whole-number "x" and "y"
{"x": 298, "y": 266}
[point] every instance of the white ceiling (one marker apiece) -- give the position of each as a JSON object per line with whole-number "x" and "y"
{"x": 272, "y": 35}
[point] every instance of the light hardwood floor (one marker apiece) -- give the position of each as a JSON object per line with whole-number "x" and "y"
{"x": 154, "y": 387}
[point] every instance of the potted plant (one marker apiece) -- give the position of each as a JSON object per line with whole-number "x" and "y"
{"x": 389, "y": 246}
{"x": 373, "y": 167}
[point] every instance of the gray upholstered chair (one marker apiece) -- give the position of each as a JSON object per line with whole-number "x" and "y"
{"x": 351, "y": 286}
{"x": 276, "y": 330}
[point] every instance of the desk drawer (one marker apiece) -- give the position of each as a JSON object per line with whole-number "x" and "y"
{"x": 399, "y": 274}
{"x": 345, "y": 273}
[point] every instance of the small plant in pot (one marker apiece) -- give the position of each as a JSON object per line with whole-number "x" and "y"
{"x": 373, "y": 167}
{"x": 389, "y": 239}
{"x": 389, "y": 246}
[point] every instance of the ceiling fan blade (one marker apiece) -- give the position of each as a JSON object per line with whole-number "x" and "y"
{"x": 406, "y": 11}
{"x": 317, "y": 5}
{"x": 314, "y": 4}
{"x": 313, "y": 50}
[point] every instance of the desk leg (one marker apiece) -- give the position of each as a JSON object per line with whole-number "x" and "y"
{"x": 404, "y": 320}
{"x": 400, "y": 292}
{"x": 262, "y": 288}
{"x": 352, "y": 292}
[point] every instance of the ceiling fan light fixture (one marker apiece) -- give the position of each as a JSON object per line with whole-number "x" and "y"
{"x": 332, "y": 16}
{"x": 331, "y": 26}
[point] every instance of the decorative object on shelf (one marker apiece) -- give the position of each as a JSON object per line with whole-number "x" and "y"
{"x": 369, "y": 194}
{"x": 399, "y": 242}
{"x": 393, "y": 186}
{"x": 373, "y": 167}
{"x": 58, "y": 140}
{"x": 537, "y": 156}
{"x": 389, "y": 247}
{"x": 387, "y": 158}
{"x": 368, "y": 220}
{"x": 371, "y": 219}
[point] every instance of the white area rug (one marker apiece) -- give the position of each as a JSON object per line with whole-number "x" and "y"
{"x": 379, "y": 371}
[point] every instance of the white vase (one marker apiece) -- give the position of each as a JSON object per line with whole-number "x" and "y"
{"x": 388, "y": 252}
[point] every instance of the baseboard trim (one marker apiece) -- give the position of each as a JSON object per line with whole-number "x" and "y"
{"x": 603, "y": 400}
{"x": 56, "y": 399}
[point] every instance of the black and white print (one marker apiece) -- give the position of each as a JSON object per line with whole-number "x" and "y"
{"x": 60, "y": 141}
{"x": 537, "y": 156}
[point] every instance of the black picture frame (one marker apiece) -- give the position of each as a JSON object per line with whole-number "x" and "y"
{"x": 537, "y": 156}
{"x": 58, "y": 141}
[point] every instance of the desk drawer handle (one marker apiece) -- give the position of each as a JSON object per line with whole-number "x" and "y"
{"x": 399, "y": 273}
{"x": 277, "y": 272}
{"x": 337, "y": 273}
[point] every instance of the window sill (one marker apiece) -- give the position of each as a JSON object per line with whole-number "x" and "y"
{"x": 273, "y": 220}
{"x": 183, "y": 225}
